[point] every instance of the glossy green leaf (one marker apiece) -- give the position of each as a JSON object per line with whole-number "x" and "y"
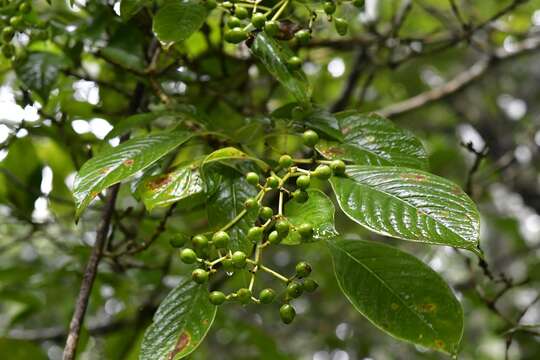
{"x": 165, "y": 189}
{"x": 274, "y": 55}
{"x": 408, "y": 204}
{"x": 370, "y": 139}
{"x": 318, "y": 211}
{"x": 180, "y": 323}
{"x": 398, "y": 293}
{"x": 230, "y": 153}
{"x": 177, "y": 20}
{"x": 39, "y": 72}
{"x": 116, "y": 164}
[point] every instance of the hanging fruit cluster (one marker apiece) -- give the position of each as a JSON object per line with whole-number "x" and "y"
{"x": 211, "y": 251}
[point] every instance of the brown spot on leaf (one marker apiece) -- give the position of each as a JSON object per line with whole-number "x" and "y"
{"x": 429, "y": 307}
{"x": 457, "y": 190}
{"x": 439, "y": 343}
{"x": 183, "y": 341}
{"x": 205, "y": 322}
{"x": 128, "y": 162}
{"x": 158, "y": 182}
{"x": 413, "y": 177}
{"x": 333, "y": 151}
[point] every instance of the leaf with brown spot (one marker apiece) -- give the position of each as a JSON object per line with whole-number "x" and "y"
{"x": 180, "y": 323}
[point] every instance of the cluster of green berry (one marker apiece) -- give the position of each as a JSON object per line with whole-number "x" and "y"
{"x": 212, "y": 252}
{"x": 246, "y": 18}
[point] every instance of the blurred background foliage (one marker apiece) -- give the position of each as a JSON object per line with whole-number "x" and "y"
{"x": 483, "y": 133}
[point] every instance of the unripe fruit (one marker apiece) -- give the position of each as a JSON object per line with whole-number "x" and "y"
{"x": 227, "y": 4}
{"x": 359, "y": 3}
{"x": 243, "y": 295}
{"x": 303, "y": 181}
{"x": 228, "y": 265}
{"x": 298, "y": 113}
{"x": 241, "y": 12}
{"x": 310, "y": 138}
{"x": 303, "y": 36}
{"x": 323, "y": 172}
{"x": 255, "y": 234}
{"x": 338, "y": 167}
{"x": 274, "y": 237}
{"x": 188, "y": 256}
{"x": 210, "y": 4}
{"x": 272, "y": 182}
{"x": 271, "y": 28}
{"x": 303, "y": 269}
{"x": 200, "y": 241}
{"x": 178, "y": 240}
{"x": 287, "y": 313}
{"x": 282, "y": 227}
{"x": 250, "y": 203}
{"x": 7, "y": 33}
{"x": 236, "y": 35}
{"x": 233, "y": 22}
{"x": 329, "y": 7}
{"x": 220, "y": 239}
{"x": 305, "y": 230}
{"x": 310, "y": 285}
{"x": 294, "y": 289}
{"x": 266, "y": 213}
{"x": 200, "y": 276}
{"x": 341, "y": 26}
{"x": 252, "y": 178}
{"x": 239, "y": 259}
{"x": 267, "y": 296}
{"x": 25, "y": 8}
{"x": 258, "y": 20}
{"x": 294, "y": 63}
{"x": 300, "y": 196}
{"x": 217, "y": 297}
{"x": 285, "y": 161}
{"x": 16, "y": 21}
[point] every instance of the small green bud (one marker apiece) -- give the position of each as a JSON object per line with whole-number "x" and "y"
{"x": 323, "y": 172}
{"x": 338, "y": 167}
{"x": 305, "y": 230}
{"x": 274, "y": 237}
{"x": 200, "y": 241}
{"x": 258, "y": 20}
{"x": 252, "y": 178}
{"x": 266, "y": 213}
{"x": 233, "y": 22}
{"x": 243, "y": 295}
{"x": 188, "y": 256}
{"x": 7, "y": 33}
{"x": 178, "y": 240}
{"x": 282, "y": 227}
{"x": 310, "y": 138}
{"x": 16, "y": 21}
{"x": 271, "y": 28}
{"x": 220, "y": 239}
{"x": 228, "y": 265}
{"x": 239, "y": 259}
{"x": 250, "y": 203}
{"x": 294, "y": 289}
{"x": 329, "y": 7}
{"x": 200, "y": 276}
{"x": 272, "y": 182}
{"x": 303, "y": 181}
{"x": 25, "y": 8}
{"x": 255, "y": 234}
{"x": 227, "y": 4}
{"x": 287, "y": 313}
{"x": 294, "y": 63}
{"x": 341, "y": 26}
{"x": 303, "y": 269}
{"x": 236, "y": 35}
{"x": 210, "y": 4}
{"x": 241, "y": 12}
{"x": 267, "y": 296}
{"x": 285, "y": 161}
{"x": 310, "y": 285}
{"x": 303, "y": 36}
{"x": 217, "y": 297}
{"x": 300, "y": 196}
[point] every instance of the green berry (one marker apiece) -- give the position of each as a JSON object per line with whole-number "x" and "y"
{"x": 241, "y": 12}
{"x": 329, "y": 7}
{"x": 266, "y": 213}
{"x": 341, "y": 26}
{"x": 233, "y": 22}
{"x": 236, "y": 35}
{"x": 227, "y": 4}
{"x": 282, "y": 227}
{"x": 310, "y": 285}
{"x": 200, "y": 276}
{"x": 287, "y": 313}
{"x": 300, "y": 196}
{"x": 303, "y": 36}
{"x": 258, "y": 20}
{"x": 220, "y": 239}
{"x": 255, "y": 234}
{"x": 294, "y": 289}
{"x": 252, "y": 178}
{"x": 239, "y": 259}
{"x": 217, "y": 297}
{"x": 303, "y": 269}
{"x": 323, "y": 172}
{"x": 25, "y": 8}
{"x": 200, "y": 241}
{"x": 305, "y": 230}
{"x": 298, "y": 113}
{"x": 358, "y": 3}
{"x": 210, "y": 4}
{"x": 294, "y": 63}
{"x": 250, "y": 203}
{"x": 274, "y": 237}
{"x": 285, "y": 161}
{"x": 243, "y": 295}
{"x": 188, "y": 256}
{"x": 303, "y": 181}
{"x": 228, "y": 265}
{"x": 7, "y": 33}
{"x": 338, "y": 167}
{"x": 267, "y": 296}
{"x": 178, "y": 240}
{"x": 16, "y": 21}
{"x": 272, "y": 28}
{"x": 272, "y": 182}
{"x": 310, "y": 138}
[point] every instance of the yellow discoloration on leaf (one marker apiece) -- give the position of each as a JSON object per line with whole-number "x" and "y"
{"x": 128, "y": 162}
{"x": 183, "y": 341}
{"x": 332, "y": 151}
{"x": 104, "y": 170}
{"x": 439, "y": 344}
{"x": 429, "y": 307}
{"x": 394, "y": 306}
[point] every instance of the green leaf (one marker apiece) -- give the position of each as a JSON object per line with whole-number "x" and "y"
{"x": 408, "y": 204}
{"x": 274, "y": 56}
{"x": 165, "y": 189}
{"x": 227, "y": 202}
{"x": 323, "y": 122}
{"x": 317, "y": 211}
{"x": 230, "y": 153}
{"x": 370, "y": 139}
{"x": 177, "y": 20}
{"x": 39, "y": 72}
{"x": 399, "y": 294}
{"x": 116, "y": 164}
{"x": 128, "y": 8}
{"x": 180, "y": 323}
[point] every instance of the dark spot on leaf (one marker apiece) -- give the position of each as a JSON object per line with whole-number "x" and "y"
{"x": 439, "y": 343}
{"x": 183, "y": 341}
{"x": 128, "y": 162}
{"x": 429, "y": 307}
{"x": 158, "y": 182}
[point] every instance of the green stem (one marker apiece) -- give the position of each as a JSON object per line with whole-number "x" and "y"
{"x": 280, "y": 11}
{"x": 273, "y": 273}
